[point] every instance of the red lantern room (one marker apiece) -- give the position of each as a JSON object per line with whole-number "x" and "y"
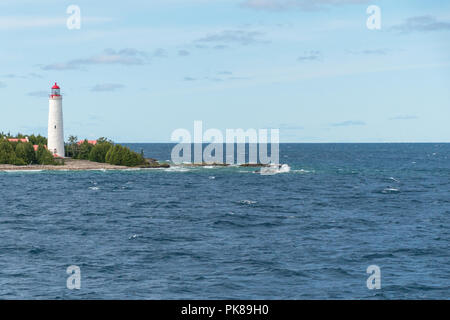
{"x": 55, "y": 90}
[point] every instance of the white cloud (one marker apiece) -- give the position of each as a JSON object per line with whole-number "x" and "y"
{"x": 422, "y": 23}
{"x": 279, "y": 5}
{"x": 22, "y": 22}
{"x": 127, "y": 56}
{"x": 107, "y": 87}
{"x": 348, "y": 123}
{"x": 242, "y": 37}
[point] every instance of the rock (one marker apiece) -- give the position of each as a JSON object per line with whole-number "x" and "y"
{"x": 253, "y": 165}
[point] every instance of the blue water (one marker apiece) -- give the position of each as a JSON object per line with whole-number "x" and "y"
{"x": 230, "y": 233}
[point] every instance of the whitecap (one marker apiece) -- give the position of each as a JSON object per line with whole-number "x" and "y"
{"x": 275, "y": 169}
{"x": 22, "y": 171}
{"x": 247, "y": 202}
{"x": 390, "y": 190}
{"x": 302, "y": 171}
{"x": 177, "y": 169}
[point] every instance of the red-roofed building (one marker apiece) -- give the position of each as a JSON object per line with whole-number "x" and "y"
{"x": 93, "y": 142}
{"x": 36, "y": 147}
{"x": 17, "y": 140}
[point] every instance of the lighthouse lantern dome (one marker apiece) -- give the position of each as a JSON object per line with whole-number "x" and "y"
{"x": 55, "y": 90}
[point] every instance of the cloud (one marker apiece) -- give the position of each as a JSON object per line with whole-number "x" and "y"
{"x": 348, "y": 123}
{"x": 23, "y": 22}
{"x": 238, "y": 78}
{"x": 404, "y": 117}
{"x": 227, "y": 73}
{"x": 369, "y": 52}
{"x": 214, "y": 79}
{"x": 39, "y": 94}
{"x": 107, "y": 87}
{"x": 34, "y": 75}
{"x": 310, "y": 56}
{"x": 424, "y": 23}
{"x": 307, "y": 5}
{"x": 15, "y": 76}
{"x": 241, "y": 37}
{"x": 183, "y": 53}
{"x": 2, "y": 84}
{"x": 222, "y": 77}
{"x": 10, "y": 76}
{"x": 159, "y": 53}
{"x": 127, "y": 57}
{"x": 220, "y": 47}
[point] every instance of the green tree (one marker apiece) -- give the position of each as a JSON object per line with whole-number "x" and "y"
{"x": 120, "y": 155}
{"x": 44, "y": 156}
{"x": 37, "y": 140}
{"x": 25, "y": 151}
{"x": 84, "y": 150}
{"x": 99, "y": 151}
{"x": 72, "y": 147}
{"x": 7, "y": 154}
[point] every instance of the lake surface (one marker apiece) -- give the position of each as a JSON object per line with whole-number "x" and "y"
{"x": 231, "y": 233}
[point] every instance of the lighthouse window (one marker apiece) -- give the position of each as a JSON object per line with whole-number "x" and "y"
{"x": 55, "y": 127}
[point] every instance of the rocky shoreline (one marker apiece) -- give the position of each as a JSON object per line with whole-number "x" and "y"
{"x": 214, "y": 164}
{"x": 80, "y": 165}
{"x": 69, "y": 164}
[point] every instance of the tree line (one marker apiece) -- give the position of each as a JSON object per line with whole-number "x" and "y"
{"x": 33, "y": 139}
{"x": 23, "y": 153}
{"x": 104, "y": 151}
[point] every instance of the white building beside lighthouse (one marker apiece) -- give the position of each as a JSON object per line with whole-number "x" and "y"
{"x": 55, "y": 142}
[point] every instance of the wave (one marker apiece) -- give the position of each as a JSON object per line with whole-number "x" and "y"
{"x": 177, "y": 169}
{"x": 390, "y": 190}
{"x": 247, "y": 202}
{"x": 21, "y": 171}
{"x": 303, "y": 171}
{"x": 275, "y": 169}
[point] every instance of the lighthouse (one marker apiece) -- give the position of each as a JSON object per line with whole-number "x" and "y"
{"x": 55, "y": 142}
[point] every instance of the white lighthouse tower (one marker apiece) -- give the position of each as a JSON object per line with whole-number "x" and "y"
{"x": 55, "y": 123}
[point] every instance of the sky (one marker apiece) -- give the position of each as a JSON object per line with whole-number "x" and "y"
{"x": 136, "y": 71}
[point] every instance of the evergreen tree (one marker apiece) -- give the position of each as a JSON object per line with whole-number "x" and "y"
{"x": 120, "y": 155}
{"x": 37, "y": 140}
{"x": 25, "y": 151}
{"x": 84, "y": 150}
{"x": 7, "y": 154}
{"x": 72, "y": 147}
{"x": 99, "y": 151}
{"x": 44, "y": 156}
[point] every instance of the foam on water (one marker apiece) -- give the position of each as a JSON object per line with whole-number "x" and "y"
{"x": 22, "y": 171}
{"x": 177, "y": 169}
{"x": 275, "y": 169}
